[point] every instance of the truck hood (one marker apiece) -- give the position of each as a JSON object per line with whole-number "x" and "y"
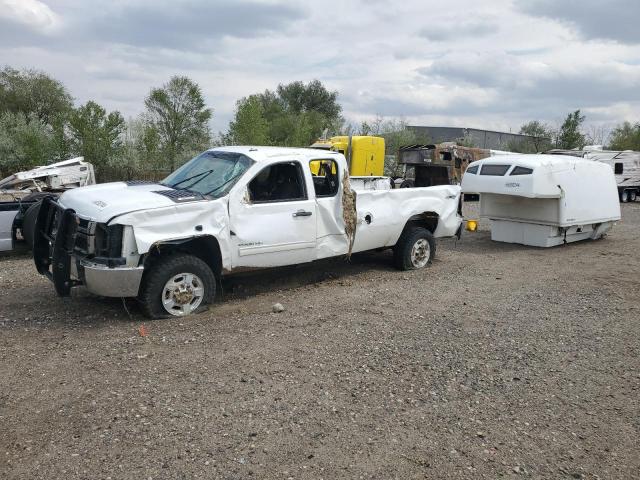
{"x": 105, "y": 201}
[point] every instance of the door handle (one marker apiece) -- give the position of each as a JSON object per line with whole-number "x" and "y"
{"x": 302, "y": 213}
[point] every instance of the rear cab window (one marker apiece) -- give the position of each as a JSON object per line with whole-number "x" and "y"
{"x": 325, "y": 177}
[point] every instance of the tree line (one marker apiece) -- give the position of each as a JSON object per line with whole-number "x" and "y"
{"x": 40, "y": 124}
{"x": 571, "y": 135}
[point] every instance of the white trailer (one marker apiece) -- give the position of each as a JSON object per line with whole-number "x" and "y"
{"x": 544, "y": 200}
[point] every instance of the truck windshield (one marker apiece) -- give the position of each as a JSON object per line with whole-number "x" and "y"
{"x": 210, "y": 173}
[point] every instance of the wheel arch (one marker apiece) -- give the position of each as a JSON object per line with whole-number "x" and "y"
{"x": 205, "y": 247}
{"x": 428, "y": 220}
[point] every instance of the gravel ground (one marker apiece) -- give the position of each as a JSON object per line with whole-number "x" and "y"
{"x": 496, "y": 361}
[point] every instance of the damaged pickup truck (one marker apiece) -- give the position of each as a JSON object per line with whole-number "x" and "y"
{"x": 229, "y": 209}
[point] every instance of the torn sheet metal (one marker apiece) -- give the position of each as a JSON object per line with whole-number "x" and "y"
{"x": 67, "y": 174}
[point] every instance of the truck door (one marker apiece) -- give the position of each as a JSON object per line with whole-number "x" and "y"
{"x": 332, "y": 240}
{"x": 273, "y": 218}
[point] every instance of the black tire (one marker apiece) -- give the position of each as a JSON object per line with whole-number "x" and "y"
{"x": 407, "y": 183}
{"x": 402, "y": 252}
{"x": 624, "y": 196}
{"x": 160, "y": 270}
{"x": 29, "y": 224}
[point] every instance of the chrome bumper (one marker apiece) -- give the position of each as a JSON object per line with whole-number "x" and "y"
{"x": 112, "y": 282}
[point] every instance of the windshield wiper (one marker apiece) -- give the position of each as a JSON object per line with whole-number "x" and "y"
{"x": 201, "y": 174}
{"x": 223, "y": 184}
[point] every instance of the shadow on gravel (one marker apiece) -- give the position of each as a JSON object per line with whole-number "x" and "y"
{"x": 249, "y": 284}
{"x": 83, "y": 308}
{"x": 480, "y": 243}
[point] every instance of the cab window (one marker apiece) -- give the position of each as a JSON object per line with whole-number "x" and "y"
{"x": 325, "y": 177}
{"x": 280, "y": 182}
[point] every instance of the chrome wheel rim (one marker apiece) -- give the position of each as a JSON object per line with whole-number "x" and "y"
{"x": 420, "y": 253}
{"x": 182, "y": 294}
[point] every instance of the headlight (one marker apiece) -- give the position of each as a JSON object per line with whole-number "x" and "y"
{"x": 108, "y": 240}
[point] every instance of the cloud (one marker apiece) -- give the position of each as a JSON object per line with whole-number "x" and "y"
{"x": 32, "y": 14}
{"x": 593, "y": 19}
{"x": 193, "y": 24}
{"x": 532, "y": 88}
{"x": 450, "y": 28}
{"x": 467, "y": 63}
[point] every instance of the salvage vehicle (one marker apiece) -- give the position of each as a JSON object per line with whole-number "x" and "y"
{"x": 544, "y": 200}
{"x": 227, "y": 210}
{"x": 21, "y": 193}
{"x": 437, "y": 164}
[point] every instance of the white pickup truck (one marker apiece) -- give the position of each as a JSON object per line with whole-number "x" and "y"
{"x": 229, "y": 209}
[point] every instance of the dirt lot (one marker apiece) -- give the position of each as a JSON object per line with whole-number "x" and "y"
{"x": 498, "y": 360}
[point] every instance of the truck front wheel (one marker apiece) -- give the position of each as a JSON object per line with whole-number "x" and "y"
{"x": 416, "y": 248}
{"x": 176, "y": 284}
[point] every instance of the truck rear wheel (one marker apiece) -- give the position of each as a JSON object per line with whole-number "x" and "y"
{"x": 415, "y": 249}
{"x": 176, "y": 284}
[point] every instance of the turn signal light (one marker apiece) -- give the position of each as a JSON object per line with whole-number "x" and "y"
{"x": 472, "y": 225}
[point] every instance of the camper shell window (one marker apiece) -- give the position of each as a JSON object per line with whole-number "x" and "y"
{"x": 473, "y": 169}
{"x": 494, "y": 170}
{"x": 521, "y": 171}
{"x": 618, "y": 168}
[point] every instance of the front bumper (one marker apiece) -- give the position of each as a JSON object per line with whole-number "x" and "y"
{"x": 57, "y": 256}
{"x": 111, "y": 282}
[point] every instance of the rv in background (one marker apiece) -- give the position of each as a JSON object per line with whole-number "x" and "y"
{"x": 625, "y": 165}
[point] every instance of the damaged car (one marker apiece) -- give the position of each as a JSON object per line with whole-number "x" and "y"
{"x": 230, "y": 209}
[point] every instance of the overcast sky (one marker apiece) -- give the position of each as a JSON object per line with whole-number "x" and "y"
{"x": 491, "y": 64}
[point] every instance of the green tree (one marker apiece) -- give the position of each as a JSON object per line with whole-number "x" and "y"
{"x": 96, "y": 135}
{"x": 249, "y": 127}
{"x": 540, "y": 140}
{"x": 34, "y": 94}
{"x": 625, "y": 137}
{"x": 570, "y": 136}
{"x": 296, "y": 114}
{"x": 178, "y": 113}
{"x": 298, "y": 98}
{"x": 24, "y": 143}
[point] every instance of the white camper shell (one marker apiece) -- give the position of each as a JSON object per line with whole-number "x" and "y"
{"x": 625, "y": 165}
{"x": 544, "y": 200}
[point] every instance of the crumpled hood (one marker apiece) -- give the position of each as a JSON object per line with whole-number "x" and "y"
{"x": 108, "y": 200}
